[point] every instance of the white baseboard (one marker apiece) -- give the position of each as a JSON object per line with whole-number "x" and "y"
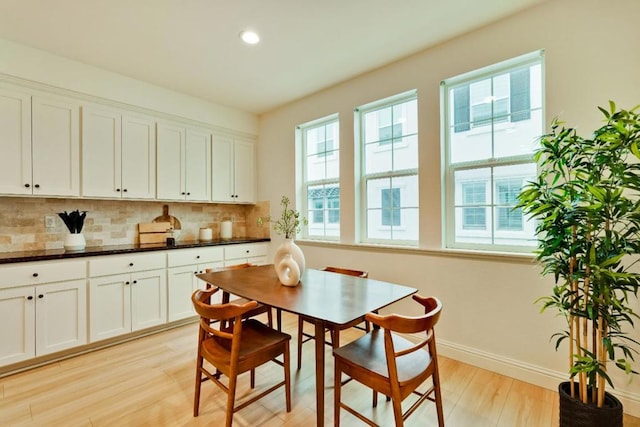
{"x": 525, "y": 372}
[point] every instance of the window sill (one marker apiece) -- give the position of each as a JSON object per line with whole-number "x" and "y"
{"x": 513, "y": 257}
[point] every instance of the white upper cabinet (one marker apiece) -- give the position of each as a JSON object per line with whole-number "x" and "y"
{"x": 184, "y": 163}
{"x": 234, "y": 170}
{"x": 40, "y": 144}
{"x": 55, "y": 142}
{"x": 115, "y": 152}
{"x": 15, "y": 136}
{"x": 138, "y": 157}
{"x": 118, "y": 154}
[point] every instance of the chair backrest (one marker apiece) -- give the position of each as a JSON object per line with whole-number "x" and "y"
{"x": 228, "y": 338}
{"x": 356, "y": 273}
{"x": 409, "y": 325}
{"x": 201, "y": 298}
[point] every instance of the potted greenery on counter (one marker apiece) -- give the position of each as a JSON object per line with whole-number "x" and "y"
{"x": 587, "y": 203}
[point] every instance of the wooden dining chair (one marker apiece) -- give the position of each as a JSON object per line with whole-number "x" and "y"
{"x": 303, "y": 336}
{"x": 260, "y": 309}
{"x": 391, "y": 364}
{"x": 241, "y": 346}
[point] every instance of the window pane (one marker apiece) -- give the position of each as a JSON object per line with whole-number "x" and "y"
{"x": 475, "y": 219}
{"x": 323, "y": 208}
{"x": 322, "y": 155}
{"x": 392, "y": 211}
{"x": 391, "y": 138}
{"x": 506, "y": 116}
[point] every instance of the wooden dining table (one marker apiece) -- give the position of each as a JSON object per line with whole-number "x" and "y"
{"x": 329, "y": 299}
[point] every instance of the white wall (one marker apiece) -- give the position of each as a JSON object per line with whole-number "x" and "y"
{"x": 17, "y": 60}
{"x": 489, "y": 316}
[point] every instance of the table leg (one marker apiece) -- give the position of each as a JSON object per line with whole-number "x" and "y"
{"x": 319, "y": 338}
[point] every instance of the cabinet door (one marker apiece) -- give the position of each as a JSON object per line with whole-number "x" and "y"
{"x": 61, "y": 316}
{"x": 101, "y": 153}
{"x": 138, "y": 157}
{"x": 109, "y": 306}
{"x": 198, "y": 165}
{"x": 244, "y": 172}
{"x": 148, "y": 299}
{"x": 170, "y": 155}
{"x": 15, "y": 134}
{"x": 17, "y": 317}
{"x": 222, "y": 173}
{"x": 181, "y": 284}
{"x": 56, "y": 146}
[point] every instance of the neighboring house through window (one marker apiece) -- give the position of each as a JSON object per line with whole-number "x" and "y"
{"x": 492, "y": 118}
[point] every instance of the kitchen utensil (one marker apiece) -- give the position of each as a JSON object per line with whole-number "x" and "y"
{"x": 165, "y": 217}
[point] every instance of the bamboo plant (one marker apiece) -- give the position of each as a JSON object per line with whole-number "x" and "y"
{"x": 586, "y": 201}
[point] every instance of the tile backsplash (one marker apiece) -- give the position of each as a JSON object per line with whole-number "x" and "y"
{"x": 115, "y": 222}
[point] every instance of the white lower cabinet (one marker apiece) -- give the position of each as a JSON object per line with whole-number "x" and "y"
{"x": 43, "y": 318}
{"x": 182, "y": 281}
{"x": 127, "y": 302}
{"x": 49, "y": 306}
{"x": 252, "y": 253}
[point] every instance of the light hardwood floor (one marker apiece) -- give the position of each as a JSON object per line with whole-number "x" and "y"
{"x": 149, "y": 382}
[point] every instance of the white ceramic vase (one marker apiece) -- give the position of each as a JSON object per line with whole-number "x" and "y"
{"x": 288, "y": 271}
{"x": 290, "y": 247}
{"x": 74, "y": 242}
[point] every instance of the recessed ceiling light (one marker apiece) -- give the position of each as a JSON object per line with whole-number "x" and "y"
{"x": 249, "y": 37}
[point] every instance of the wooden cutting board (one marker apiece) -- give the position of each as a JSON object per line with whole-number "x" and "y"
{"x": 165, "y": 217}
{"x": 155, "y": 232}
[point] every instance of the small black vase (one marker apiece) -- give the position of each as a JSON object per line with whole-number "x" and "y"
{"x": 574, "y": 413}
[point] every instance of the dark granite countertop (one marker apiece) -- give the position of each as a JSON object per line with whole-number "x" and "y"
{"x": 52, "y": 254}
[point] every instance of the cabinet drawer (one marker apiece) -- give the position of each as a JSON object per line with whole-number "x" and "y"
{"x": 117, "y": 264}
{"x": 33, "y": 273}
{"x": 245, "y": 251}
{"x": 179, "y": 257}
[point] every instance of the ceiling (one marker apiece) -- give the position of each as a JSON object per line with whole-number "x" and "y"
{"x": 193, "y": 46}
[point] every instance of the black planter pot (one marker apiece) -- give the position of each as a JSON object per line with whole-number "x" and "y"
{"x": 574, "y": 413}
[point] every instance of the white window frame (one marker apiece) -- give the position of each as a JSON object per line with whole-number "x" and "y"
{"x": 448, "y": 203}
{"x": 363, "y": 178}
{"x": 303, "y": 205}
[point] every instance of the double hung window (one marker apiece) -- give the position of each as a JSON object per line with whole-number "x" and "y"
{"x": 492, "y": 118}
{"x": 320, "y": 176}
{"x": 388, "y": 140}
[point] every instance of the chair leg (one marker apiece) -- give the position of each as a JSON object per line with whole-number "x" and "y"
{"x": 375, "y": 398}
{"x": 287, "y": 376}
{"x": 397, "y": 411}
{"x": 253, "y": 378}
{"x": 436, "y": 388}
{"x": 337, "y": 389}
{"x": 231, "y": 399}
{"x": 196, "y": 395}
{"x": 300, "y": 337}
{"x": 270, "y": 318}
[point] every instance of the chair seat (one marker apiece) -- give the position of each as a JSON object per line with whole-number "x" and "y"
{"x": 368, "y": 353}
{"x": 259, "y": 344}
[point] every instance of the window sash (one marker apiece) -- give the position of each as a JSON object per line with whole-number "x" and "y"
{"x": 505, "y": 228}
{"x": 392, "y": 142}
{"x": 320, "y": 151}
